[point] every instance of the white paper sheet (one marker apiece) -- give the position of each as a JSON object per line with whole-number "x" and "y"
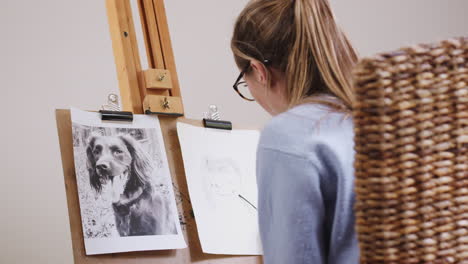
{"x": 220, "y": 170}
{"x": 125, "y": 189}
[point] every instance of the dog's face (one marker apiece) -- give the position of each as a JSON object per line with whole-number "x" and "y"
{"x": 112, "y": 157}
{"x": 119, "y": 160}
{"x": 110, "y": 160}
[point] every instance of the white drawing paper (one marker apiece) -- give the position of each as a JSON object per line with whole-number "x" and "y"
{"x": 125, "y": 189}
{"x": 220, "y": 170}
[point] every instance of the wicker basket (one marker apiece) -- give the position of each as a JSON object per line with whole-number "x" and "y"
{"x": 411, "y": 127}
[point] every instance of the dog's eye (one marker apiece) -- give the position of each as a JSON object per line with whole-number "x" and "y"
{"x": 97, "y": 149}
{"x": 118, "y": 151}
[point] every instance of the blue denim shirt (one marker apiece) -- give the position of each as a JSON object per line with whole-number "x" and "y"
{"x": 305, "y": 177}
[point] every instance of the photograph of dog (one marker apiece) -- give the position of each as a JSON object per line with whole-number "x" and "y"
{"x": 121, "y": 190}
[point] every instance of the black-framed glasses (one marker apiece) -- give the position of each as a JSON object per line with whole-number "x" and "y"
{"x": 240, "y": 86}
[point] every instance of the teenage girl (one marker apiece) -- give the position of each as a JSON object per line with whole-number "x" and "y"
{"x": 297, "y": 64}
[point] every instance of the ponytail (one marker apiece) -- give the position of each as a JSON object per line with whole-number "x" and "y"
{"x": 302, "y": 39}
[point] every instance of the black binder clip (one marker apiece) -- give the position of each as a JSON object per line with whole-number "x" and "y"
{"x": 219, "y": 124}
{"x": 116, "y": 116}
{"x": 212, "y": 119}
{"x": 149, "y": 112}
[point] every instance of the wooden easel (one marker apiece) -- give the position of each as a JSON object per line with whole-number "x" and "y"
{"x": 155, "y": 89}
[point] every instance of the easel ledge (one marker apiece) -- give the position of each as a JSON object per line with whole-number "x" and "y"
{"x": 192, "y": 254}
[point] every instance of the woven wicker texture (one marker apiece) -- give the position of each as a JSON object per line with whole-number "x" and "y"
{"x": 411, "y": 127}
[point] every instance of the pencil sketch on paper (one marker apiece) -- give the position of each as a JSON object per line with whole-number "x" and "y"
{"x": 220, "y": 172}
{"x": 223, "y": 180}
{"x": 222, "y": 176}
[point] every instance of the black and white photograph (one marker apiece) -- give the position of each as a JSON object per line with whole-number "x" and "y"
{"x": 125, "y": 190}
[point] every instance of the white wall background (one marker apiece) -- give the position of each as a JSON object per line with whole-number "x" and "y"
{"x": 57, "y": 53}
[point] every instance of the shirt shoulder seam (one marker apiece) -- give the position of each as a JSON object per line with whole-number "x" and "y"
{"x": 295, "y": 155}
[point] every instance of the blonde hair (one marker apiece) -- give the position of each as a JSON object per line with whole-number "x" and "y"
{"x": 301, "y": 39}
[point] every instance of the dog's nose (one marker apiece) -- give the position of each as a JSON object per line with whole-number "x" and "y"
{"x": 102, "y": 166}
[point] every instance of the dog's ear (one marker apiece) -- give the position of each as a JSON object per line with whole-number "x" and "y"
{"x": 94, "y": 179}
{"x": 141, "y": 167}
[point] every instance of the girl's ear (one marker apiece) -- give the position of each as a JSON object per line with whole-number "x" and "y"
{"x": 259, "y": 72}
